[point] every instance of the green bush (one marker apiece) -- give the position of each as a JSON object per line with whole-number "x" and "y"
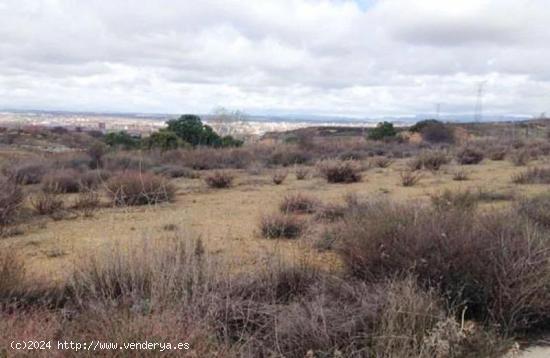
{"x": 121, "y": 140}
{"x": 382, "y": 130}
{"x": 163, "y": 140}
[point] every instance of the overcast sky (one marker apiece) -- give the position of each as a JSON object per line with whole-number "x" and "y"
{"x": 350, "y": 58}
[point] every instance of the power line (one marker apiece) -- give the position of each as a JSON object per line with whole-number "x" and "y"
{"x": 478, "y": 116}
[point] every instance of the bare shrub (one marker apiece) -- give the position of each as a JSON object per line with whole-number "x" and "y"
{"x": 219, "y": 179}
{"x": 279, "y": 177}
{"x": 469, "y": 156}
{"x": 337, "y": 171}
{"x": 330, "y": 212}
{"x": 289, "y": 155}
{"x": 299, "y": 204}
{"x": 11, "y": 199}
{"x": 460, "y": 175}
{"x": 497, "y": 265}
{"x": 497, "y": 153}
{"x": 26, "y": 173}
{"x": 520, "y": 157}
{"x": 448, "y": 199}
{"x": 382, "y": 162}
{"x": 535, "y": 175}
{"x": 433, "y": 159}
{"x": 87, "y": 202}
{"x": 409, "y": 178}
{"x": 175, "y": 171}
{"x": 301, "y": 173}
{"x": 536, "y": 209}
{"x": 62, "y": 181}
{"x": 415, "y": 163}
{"x": 281, "y": 226}
{"x": 136, "y": 188}
{"x": 46, "y": 203}
{"x": 92, "y": 179}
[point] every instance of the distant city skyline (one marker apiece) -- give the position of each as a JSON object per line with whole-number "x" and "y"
{"x": 336, "y": 58}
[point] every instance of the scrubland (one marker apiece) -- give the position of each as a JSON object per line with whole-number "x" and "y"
{"x": 311, "y": 247}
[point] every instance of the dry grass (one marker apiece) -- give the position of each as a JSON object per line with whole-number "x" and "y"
{"x": 11, "y": 199}
{"x": 279, "y": 177}
{"x": 535, "y": 175}
{"x": 46, "y": 203}
{"x": 299, "y": 204}
{"x": 409, "y": 178}
{"x": 136, "y": 188}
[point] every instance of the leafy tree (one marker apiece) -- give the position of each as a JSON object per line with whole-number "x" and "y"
{"x": 229, "y": 141}
{"x": 121, "y": 140}
{"x": 418, "y": 126}
{"x": 190, "y": 128}
{"x": 164, "y": 140}
{"x": 382, "y": 130}
{"x": 434, "y": 131}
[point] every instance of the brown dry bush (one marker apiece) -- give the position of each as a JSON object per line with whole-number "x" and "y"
{"x": 409, "y": 178}
{"x": 299, "y": 204}
{"x": 520, "y": 157}
{"x": 460, "y": 200}
{"x": 277, "y": 225}
{"x": 497, "y": 266}
{"x": 46, "y": 203}
{"x": 11, "y": 199}
{"x": 175, "y": 171}
{"x": 330, "y": 212}
{"x": 289, "y": 155}
{"x": 469, "y": 156}
{"x": 432, "y": 160}
{"x": 535, "y": 175}
{"x": 460, "y": 175}
{"x": 26, "y": 173}
{"x": 87, "y": 202}
{"x": 382, "y": 162}
{"x": 279, "y": 177}
{"x": 62, "y": 181}
{"x": 219, "y": 180}
{"x": 536, "y": 208}
{"x": 338, "y": 171}
{"x": 92, "y": 179}
{"x": 126, "y": 161}
{"x": 301, "y": 173}
{"x": 137, "y": 188}
{"x": 497, "y": 153}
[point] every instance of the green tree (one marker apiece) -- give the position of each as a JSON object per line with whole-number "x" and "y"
{"x": 190, "y": 128}
{"x": 121, "y": 140}
{"x": 164, "y": 140}
{"x": 382, "y": 130}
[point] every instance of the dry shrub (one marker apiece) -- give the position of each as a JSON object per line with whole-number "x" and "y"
{"x": 175, "y": 171}
{"x": 340, "y": 171}
{"x": 93, "y": 179}
{"x": 496, "y": 265}
{"x": 469, "y": 156}
{"x": 520, "y": 157}
{"x": 431, "y": 160}
{"x": 461, "y": 175}
{"x": 27, "y": 172}
{"x": 137, "y": 188}
{"x": 219, "y": 179}
{"x": 87, "y": 202}
{"x": 409, "y": 178}
{"x": 535, "y": 175}
{"x": 460, "y": 200}
{"x": 62, "y": 181}
{"x": 46, "y": 203}
{"x": 11, "y": 199}
{"x": 279, "y": 177}
{"x": 289, "y": 155}
{"x": 497, "y": 153}
{"x": 536, "y": 209}
{"x": 299, "y": 204}
{"x": 301, "y": 173}
{"x": 126, "y": 161}
{"x": 382, "y": 162}
{"x": 277, "y": 225}
{"x": 330, "y": 212}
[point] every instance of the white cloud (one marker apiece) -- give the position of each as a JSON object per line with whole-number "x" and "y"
{"x": 384, "y": 57}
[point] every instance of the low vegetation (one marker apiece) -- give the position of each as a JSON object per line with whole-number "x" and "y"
{"x": 340, "y": 171}
{"x": 469, "y": 156}
{"x": 277, "y": 225}
{"x": 219, "y": 180}
{"x": 137, "y": 188}
{"x": 299, "y": 204}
